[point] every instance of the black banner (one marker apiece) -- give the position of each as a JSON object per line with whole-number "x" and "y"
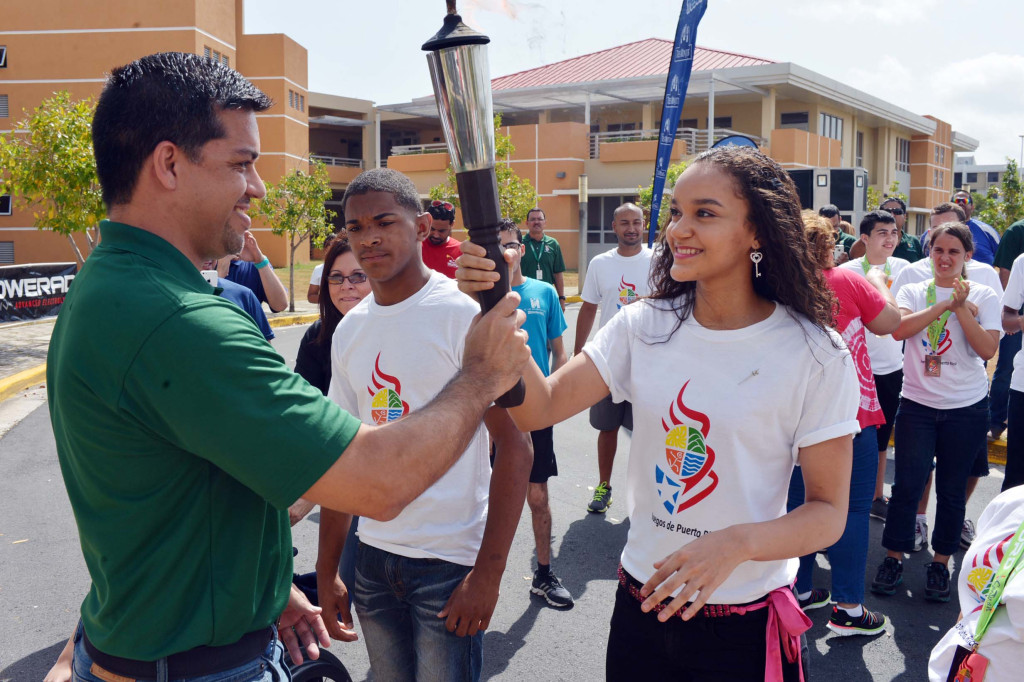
{"x": 29, "y": 292}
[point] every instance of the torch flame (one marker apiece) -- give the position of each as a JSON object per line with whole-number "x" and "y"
{"x": 623, "y": 284}
{"x": 701, "y": 419}
{"x": 379, "y": 376}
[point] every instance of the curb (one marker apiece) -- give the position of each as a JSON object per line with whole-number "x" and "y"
{"x": 290, "y": 320}
{"x": 573, "y": 299}
{"x": 9, "y": 386}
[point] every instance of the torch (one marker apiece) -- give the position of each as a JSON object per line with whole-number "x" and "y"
{"x": 457, "y": 56}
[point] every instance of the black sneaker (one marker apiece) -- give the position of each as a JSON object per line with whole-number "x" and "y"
{"x": 815, "y": 600}
{"x": 879, "y": 508}
{"x": 550, "y": 587}
{"x": 936, "y": 582}
{"x": 867, "y": 623}
{"x": 889, "y": 576}
{"x": 602, "y": 498}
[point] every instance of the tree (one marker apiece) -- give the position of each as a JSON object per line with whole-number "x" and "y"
{"x": 48, "y": 164}
{"x": 1002, "y": 206}
{"x": 295, "y": 207}
{"x": 876, "y": 197}
{"x": 645, "y": 195}
{"x": 516, "y": 196}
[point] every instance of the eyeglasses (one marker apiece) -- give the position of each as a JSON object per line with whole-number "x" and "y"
{"x": 510, "y": 245}
{"x": 447, "y": 205}
{"x": 354, "y": 278}
{"x": 895, "y": 211}
{"x": 963, "y": 201}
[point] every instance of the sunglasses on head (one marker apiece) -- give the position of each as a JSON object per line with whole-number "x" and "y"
{"x": 447, "y": 205}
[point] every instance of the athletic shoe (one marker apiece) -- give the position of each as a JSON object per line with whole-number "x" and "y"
{"x": 889, "y": 576}
{"x": 967, "y": 534}
{"x": 550, "y": 587}
{"x": 602, "y": 498}
{"x": 996, "y": 433}
{"x": 879, "y": 508}
{"x": 867, "y": 623}
{"x": 815, "y": 600}
{"x": 936, "y": 582}
{"x": 920, "y": 535}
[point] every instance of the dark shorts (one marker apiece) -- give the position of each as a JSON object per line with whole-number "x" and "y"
{"x": 544, "y": 464}
{"x": 609, "y": 416}
{"x": 888, "y": 387}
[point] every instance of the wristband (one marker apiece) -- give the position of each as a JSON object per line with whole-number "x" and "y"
{"x": 561, "y": 298}
{"x": 263, "y": 263}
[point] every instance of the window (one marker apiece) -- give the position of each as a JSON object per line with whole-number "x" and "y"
{"x": 5, "y": 204}
{"x": 939, "y": 178}
{"x": 302, "y": 102}
{"x": 723, "y": 121}
{"x": 6, "y": 253}
{"x": 689, "y": 123}
{"x": 4, "y": 113}
{"x": 830, "y": 126}
{"x": 206, "y": 52}
{"x": 795, "y": 119}
{"x": 942, "y": 156}
{"x": 291, "y": 98}
{"x": 859, "y": 161}
{"x": 902, "y": 155}
{"x": 3, "y": 56}
{"x": 993, "y": 177}
{"x": 618, "y": 127}
{"x": 599, "y": 218}
{"x": 972, "y": 178}
{"x": 224, "y": 60}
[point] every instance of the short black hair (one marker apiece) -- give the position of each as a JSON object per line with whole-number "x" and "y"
{"x": 439, "y": 212}
{"x": 536, "y": 209}
{"x": 385, "y": 180}
{"x": 828, "y": 211}
{"x": 899, "y": 201}
{"x": 168, "y": 97}
{"x": 872, "y": 218}
{"x": 509, "y": 225}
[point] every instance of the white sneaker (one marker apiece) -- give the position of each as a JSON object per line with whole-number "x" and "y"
{"x": 920, "y": 535}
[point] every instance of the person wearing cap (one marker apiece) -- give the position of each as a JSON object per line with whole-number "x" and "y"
{"x": 909, "y": 248}
{"x": 439, "y": 248}
{"x": 986, "y": 238}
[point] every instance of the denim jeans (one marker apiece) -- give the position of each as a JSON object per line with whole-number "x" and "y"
{"x": 849, "y": 555}
{"x": 1014, "y": 441}
{"x": 951, "y": 438}
{"x": 265, "y": 668}
{"x": 999, "y": 394}
{"x": 347, "y": 567}
{"x": 397, "y": 601}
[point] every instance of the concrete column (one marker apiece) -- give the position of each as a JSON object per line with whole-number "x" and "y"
{"x": 376, "y": 142}
{"x": 586, "y": 110}
{"x": 768, "y": 114}
{"x": 711, "y": 110}
{"x": 648, "y": 117}
{"x": 544, "y": 117}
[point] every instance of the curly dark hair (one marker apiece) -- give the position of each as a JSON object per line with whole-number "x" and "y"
{"x": 788, "y": 273}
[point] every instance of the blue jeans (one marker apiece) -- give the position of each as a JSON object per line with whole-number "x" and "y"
{"x": 397, "y": 600}
{"x": 347, "y": 567}
{"x": 849, "y": 555}
{"x": 266, "y": 668}
{"x": 950, "y": 437}
{"x": 999, "y": 394}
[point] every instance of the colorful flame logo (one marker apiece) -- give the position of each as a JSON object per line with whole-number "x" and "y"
{"x": 688, "y": 478}
{"x": 387, "y": 404}
{"x": 627, "y": 292}
{"x": 945, "y": 343}
{"x": 983, "y": 569}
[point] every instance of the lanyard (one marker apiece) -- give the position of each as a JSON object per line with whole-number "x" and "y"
{"x": 867, "y": 267}
{"x": 935, "y": 328}
{"x": 1010, "y": 564}
{"x": 537, "y": 252}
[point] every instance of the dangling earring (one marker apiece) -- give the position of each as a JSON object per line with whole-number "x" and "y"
{"x": 756, "y": 257}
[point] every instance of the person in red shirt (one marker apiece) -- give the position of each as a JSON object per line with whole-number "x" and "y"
{"x": 439, "y": 249}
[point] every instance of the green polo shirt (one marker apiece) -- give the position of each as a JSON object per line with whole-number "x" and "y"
{"x": 909, "y": 248}
{"x": 182, "y": 437}
{"x": 847, "y": 240}
{"x": 1011, "y": 245}
{"x": 547, "y": 253}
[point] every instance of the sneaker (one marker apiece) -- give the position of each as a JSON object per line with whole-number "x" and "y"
{"x": 936, "y": 582}
{"x": 550, "y": 587}
{"x": 602, "y": 498}
{"x": 844, "y": 625}
{"x": 920, "y": 536}
{"x": 967, "y": 534}
{"x": 815, "y": 600}
{"x": 879, "y": 508}
{"x": 889, "y": 576}
{"x": 996, "y": 433}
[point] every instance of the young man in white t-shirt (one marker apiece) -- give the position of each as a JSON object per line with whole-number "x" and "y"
{"x": 880, "y": 236}
{"x": 426, "y": 581}
{"x": 615, "y": 279}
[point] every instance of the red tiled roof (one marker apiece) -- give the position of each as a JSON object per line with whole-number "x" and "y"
{"x": 643, "y": 58}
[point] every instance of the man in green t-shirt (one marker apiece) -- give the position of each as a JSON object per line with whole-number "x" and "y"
{"x": 543, "y": 257}
{"x": 181, "y": 434}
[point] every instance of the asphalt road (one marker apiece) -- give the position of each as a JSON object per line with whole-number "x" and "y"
{"x": 43, "y": 576}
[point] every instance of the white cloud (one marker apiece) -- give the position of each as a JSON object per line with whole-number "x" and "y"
{"x": 853, "y": 10}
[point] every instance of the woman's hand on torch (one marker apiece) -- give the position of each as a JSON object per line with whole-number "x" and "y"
{"x": 476, "y": 272}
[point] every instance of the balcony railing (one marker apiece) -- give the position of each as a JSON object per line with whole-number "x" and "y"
{"x": 696, "y": 138}
{"x": 432, "y": 148}
{"x": 336, "y": 161}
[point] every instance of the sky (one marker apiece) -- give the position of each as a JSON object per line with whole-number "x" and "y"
{"x": 960, "y": 62}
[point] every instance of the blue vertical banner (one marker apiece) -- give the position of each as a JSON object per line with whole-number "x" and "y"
{"x": 678, "y": 80}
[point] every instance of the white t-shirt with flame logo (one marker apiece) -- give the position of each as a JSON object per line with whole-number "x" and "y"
{"x": 614, "y": 281}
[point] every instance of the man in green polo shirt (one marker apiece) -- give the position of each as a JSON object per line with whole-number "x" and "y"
{"x": 181, "y": 433}
{"x": 543, "y": 257}
{"x": 909, "y": 248}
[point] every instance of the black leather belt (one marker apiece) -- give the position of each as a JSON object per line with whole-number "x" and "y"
{"x": 202, "y": 660}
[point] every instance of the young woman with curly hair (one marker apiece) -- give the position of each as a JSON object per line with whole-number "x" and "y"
{"x": 735, "y": 378}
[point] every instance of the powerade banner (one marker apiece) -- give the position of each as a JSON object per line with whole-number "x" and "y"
{"x": 675, "y": 94}
{"x": 28, "y": 292}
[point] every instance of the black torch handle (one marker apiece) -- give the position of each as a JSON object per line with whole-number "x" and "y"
{"x": 478, "y": 196}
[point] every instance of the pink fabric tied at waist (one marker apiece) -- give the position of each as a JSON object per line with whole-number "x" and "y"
{"x": 786, "y": 622}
